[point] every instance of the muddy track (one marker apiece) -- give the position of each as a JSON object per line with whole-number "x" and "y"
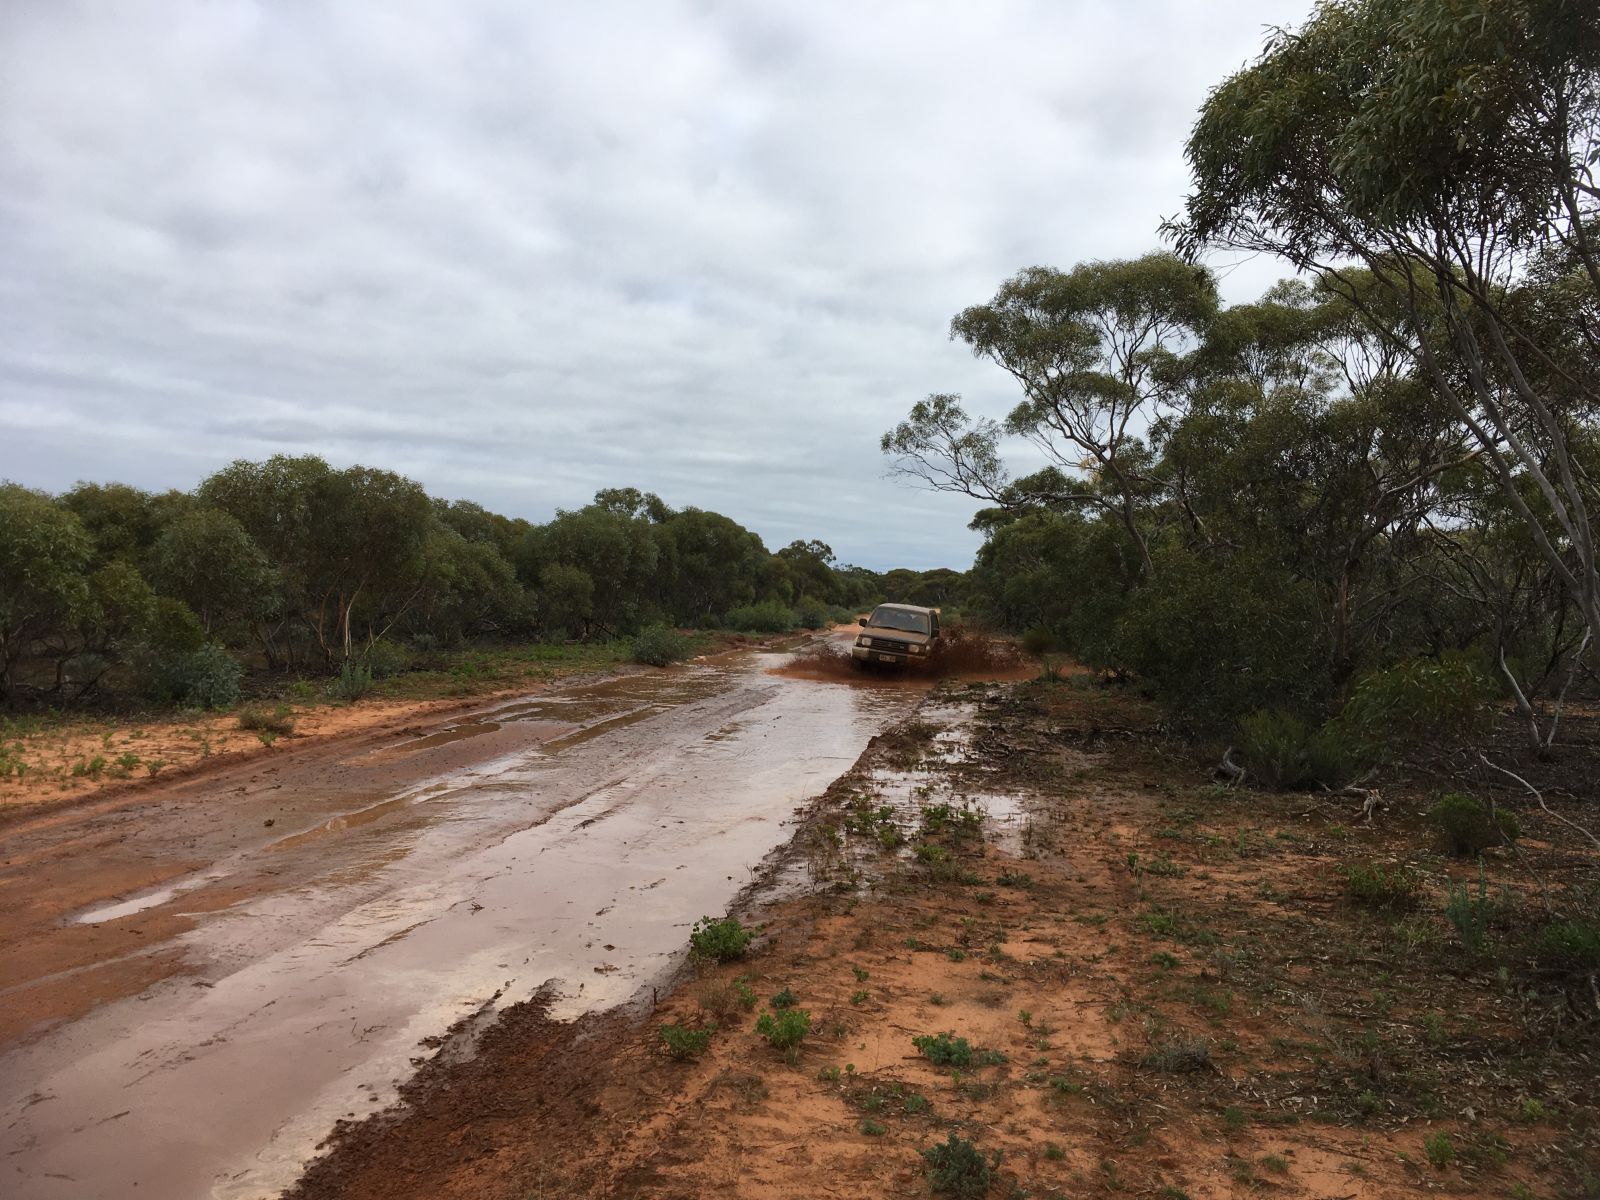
{"x": 201, "y": 981}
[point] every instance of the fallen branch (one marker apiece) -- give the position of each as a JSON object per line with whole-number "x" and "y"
{"x": 1509, "y": 774}
{"x": 1231, "y": 769}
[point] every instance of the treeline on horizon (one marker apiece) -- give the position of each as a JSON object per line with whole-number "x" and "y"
{"x": 292, "y": 565}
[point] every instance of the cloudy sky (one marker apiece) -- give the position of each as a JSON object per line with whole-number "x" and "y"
{"x": 521, "y": 251}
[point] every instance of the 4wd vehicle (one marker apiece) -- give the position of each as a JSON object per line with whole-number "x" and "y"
{"x": 896, "y": 633}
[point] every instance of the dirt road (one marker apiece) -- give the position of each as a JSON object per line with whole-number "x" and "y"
{"x": 199, "y": 981}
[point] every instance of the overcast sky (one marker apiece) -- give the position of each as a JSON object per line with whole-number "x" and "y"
{"x": 521, "y": 251}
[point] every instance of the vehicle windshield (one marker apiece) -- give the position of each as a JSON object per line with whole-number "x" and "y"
{"x": 898, "y": 618}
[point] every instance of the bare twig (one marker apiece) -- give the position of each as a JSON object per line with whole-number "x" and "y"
{"x": 1509, "y": 774}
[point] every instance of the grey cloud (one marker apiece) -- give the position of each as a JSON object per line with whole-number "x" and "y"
{"x": 521, "y": 252}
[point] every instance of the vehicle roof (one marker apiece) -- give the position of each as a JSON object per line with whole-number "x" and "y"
{"x": 916, "y": 608}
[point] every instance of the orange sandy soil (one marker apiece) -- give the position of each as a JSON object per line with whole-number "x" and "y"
{"x": 68, "y": 760}
{"x": 1164, "y": 985}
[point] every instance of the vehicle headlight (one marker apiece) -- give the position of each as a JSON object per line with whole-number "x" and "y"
{"x": 919, "y": 649}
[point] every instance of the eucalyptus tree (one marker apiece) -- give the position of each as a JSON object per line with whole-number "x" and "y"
{"x": 1099, "y": 352}
{"x": 45, "y": 554}
{"x": 1443, "y": 150}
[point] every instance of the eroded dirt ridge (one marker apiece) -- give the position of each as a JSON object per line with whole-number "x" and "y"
{"x": 284, "y": 971}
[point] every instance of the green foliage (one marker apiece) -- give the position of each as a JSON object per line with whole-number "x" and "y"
{"x": 659, "y": 646}
{"x": 719, "y": 939}
{"x": 1443, "y": 698}
{"x": 785, "y": 999}
{"x": 1470, "y": 826}
{"x": 784, "y": 1030}
{"x": 386, "y": 659}
{"x": 1470, "y": 913}
{"x": 770, "y": 616}
{"x": 1441, "y": 1151}
{"x": 353, "y": 682}
{"x": 275, "y": 720}
{"x": 944, "y": 1049}
{"x": 1389, "y": 888}
{"x": 684, "y": 1043}
{"x": 44, "y": 557}
{"x": 1284, "y": 754}
{"x": 957, "y": 1168}
{"x": 207, "y": 677}
{"x": 1571, "y": 946}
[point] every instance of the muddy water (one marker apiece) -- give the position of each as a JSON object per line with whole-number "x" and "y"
{"x": 576, "y": 860}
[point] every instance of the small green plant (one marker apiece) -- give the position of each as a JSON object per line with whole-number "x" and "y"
{"x": 1282, "y": 753}
{"x": 89, "y": 768}
{"x": 1441, "y": 1151}
{"x": 784, "y": 1030}
{"x": 916, "y": 1105}
{"x": 861, "y": 975}
{"x": 1389, "y": 888}
{"x": 1470, "y": 914}
{"x": 745, "y": 994}
{"x": 944, "y": 1050}
{"x": 1531, "y": 1111}
{"x": 153, "y": 766}
{"x": 785, "y": 999}
{"x": 354, "y": 682}
{"x": 874, "y": 1128}
{"x": 858, "y": 997}
{"x": 1054, "y": 1152}
{"x": 683, "y": 1043}
{"x": 261, "y": 719}
{"x": 1233, "y": 1119}
{"x": 1276, "y": 1164}
{"x": 719, "y": 939}
{"x": 127, "y": 761}
{"x": 1568, "y": 946}
{"x": 957, "y": 1168}
{"x": 1469, "y": 826}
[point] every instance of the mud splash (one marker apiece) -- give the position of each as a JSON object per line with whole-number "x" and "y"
{"x": 959, "y": 654}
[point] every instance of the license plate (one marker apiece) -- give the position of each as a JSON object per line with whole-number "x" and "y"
{"x": 886, "y": 658}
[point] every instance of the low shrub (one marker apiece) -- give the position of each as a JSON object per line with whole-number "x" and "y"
{"x": 261, "y": 719}
{"x": 684, "y": 1043}
{"x": 386, "y": 659}
{"x": 354, "y": 682}
{"x": 944, "y": 1049}
{"x": 1471, "y": 913}
{"x": 784, "y": 1030}
{"x": 957, "y": 1168}
{"x": 207, "y": 677}
{"x": 1420, "y": 699}
{"x": 659, "y": 646}
{"x": 1390, "y": 888}
{"x": 1572, "y": 946}
{"x": 1284, "y": 753}
{"x": 1040, "y": 641}
{"x": 719, "y": 939}
{"x": 1469, "y": 826}
{"x": 770, "y": 616}
{"x": 812, "y": 613}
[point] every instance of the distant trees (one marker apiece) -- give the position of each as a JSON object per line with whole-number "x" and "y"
{"x": 295, "y": 564}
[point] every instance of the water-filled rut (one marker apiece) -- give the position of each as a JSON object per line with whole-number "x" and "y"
{"x": 274, "y": 974}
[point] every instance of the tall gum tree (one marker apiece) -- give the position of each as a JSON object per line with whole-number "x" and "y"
{"x": 1445, "y": 150}
{"x": 1097, "y": 351}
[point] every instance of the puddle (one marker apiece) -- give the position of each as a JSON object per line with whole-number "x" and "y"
{"x": 147, "y": 901}
{"x": 576, "y": 863}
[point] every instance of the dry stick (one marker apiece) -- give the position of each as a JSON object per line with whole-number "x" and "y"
{"x": 1484, "y": 759}
{"x": 1577, "y": 659}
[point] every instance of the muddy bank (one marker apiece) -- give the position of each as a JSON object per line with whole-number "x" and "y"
{"x": 306, "y": 923}
{"x": 1147, "y": 985}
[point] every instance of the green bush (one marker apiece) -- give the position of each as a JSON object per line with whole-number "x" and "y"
{"x": 683, "y": 1043}
{"x": 770, "y": 616}
{"x": 204, "y": 678}
{"x": 1393, "y": 889}
{"x": 354, "y": 681}
{"x": 944, "y": 1050}
{"x": 1469, "y": 826}
{"x": 812, "y": 613}
{"x": 784, "y": 1030}
{"x": 1284, "y": 754}
{"x": 386, "y": 659}
{"x": 659, "y": 646}
{"x": 958, "y": 1169}
{"x": 1039, "y": 641}
{"x": 1470, "y": 913}
{"x": 1572, "y": 946}
{"x": 719, "y": 939}
{"x": 1421, "y": 699}
{"x": 262, "y": 719}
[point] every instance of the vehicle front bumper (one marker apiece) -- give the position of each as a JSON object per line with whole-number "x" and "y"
{"x": 884, "y": 654}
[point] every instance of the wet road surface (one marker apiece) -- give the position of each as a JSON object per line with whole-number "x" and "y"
{"x": 279, "y": 973}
